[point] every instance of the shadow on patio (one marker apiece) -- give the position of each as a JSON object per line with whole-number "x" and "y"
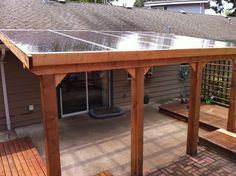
{"x": 89, "y": 146}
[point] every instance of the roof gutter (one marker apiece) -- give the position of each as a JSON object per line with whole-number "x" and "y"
{"x": 4, "y": 86}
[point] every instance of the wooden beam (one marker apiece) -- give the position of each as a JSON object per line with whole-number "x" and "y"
{"x": 72, "y": 68}
{"x": 137, "y": 119}
{"x": 50, "y": 123}
{"x": 59, "y": 78}
{"x": 231, "y": 124}
{"x": 194, "y": 107}
{"x": 45, "y": 59}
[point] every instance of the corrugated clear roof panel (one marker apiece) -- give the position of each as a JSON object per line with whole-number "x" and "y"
{"x": 45, "y": 41}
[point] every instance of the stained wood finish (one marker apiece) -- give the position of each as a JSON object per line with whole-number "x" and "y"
{"x": 131, "y": 71}
{"x": 59, "y": 78}
{"x": 222, "y": 140}
{"x": 19, "y": 157}
{"x": 194, "y": 107}
{"x": 98, "y": 65}
{"x": 104, "y": 173}
{"x": 231, "y": 125}
{"x": 50, "y": 123}
{"x": 174, "y": 56}
{"x": 137, "y": 119}
{"x": 20, "y": 54}
{"x": 212, "y": 117}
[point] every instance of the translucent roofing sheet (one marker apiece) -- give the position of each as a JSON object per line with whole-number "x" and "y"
{"x": 32, "y": 42}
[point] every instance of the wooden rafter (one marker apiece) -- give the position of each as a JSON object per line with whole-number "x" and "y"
{"x": 19, "y": 54}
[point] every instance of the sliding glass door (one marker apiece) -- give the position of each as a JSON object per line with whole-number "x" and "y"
{"x": 80, "y": 92}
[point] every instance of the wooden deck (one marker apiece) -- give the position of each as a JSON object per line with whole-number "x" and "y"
{"x": 221, "y": 140}
{"x": 104, "y": 173}
{"x": 212, "y": 117}
{"x": 20, "y": 157}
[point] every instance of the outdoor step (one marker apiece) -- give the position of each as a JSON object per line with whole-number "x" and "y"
{"x": 20, "y": 157}
{"x": 221, "y": 140}
{"x": 104, "y": 173}
{"x": 212, "y": 117}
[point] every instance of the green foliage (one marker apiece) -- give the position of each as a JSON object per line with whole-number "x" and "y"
{"x": 220, "y": 7}
{"x": 139, "y": 3}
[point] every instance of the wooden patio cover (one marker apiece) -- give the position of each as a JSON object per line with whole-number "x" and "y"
{"x": 52, "y": 54}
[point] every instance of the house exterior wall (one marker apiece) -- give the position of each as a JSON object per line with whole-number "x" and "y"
{"x": 192, "y": 8}
{"x": 2, "y": 111}
{"x": 165, "y": 84}
{"x": 23, "y": 90}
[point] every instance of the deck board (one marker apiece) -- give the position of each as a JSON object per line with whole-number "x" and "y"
{"x": 212, "y": 117}
{"x": 6, "y": 166}
{"x": 104, "y": 173}
{"x": 222, "y": 140}
{"x": 19, "y": 168}
{"x": 10, "y": 159}
{"x": 19, "y": 157}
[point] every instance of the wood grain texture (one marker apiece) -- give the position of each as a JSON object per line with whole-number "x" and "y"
{"x": 212, "y": 117}
{"x": 104, "y": 173}
{"x": 50, "y": 124}
{"x": 194, "y": 107}
{"x": 59, "y": 78}
{"x": 20, "y": 54}
{"x": 17, "y": 158}
{"x": 171, "y": 55}
{"x": 221, "y": 139}
{"x": 137, "y": 120}
{"x": 98, "y": 65}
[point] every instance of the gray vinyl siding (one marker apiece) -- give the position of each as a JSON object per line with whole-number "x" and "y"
{"x": 192, "y": 8}
{"x": 164, "y": 85}
{"x": 23, "y": 89}
{"x": 2, "y": 111}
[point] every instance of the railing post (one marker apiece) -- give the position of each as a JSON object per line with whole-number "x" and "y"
{"x": 231, "y": 124}
{"x": 194, "y": 107}
{"x": 50, "y": 123}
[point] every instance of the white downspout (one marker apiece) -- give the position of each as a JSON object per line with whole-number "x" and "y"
{"x": 4, "y": 88}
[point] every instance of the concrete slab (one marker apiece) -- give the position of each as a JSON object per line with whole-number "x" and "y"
{"x": 89, "y": 146}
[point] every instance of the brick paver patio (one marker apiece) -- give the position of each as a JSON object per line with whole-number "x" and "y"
{"x": 206, "y": 163}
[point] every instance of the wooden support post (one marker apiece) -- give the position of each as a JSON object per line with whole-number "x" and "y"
{"x": 50, "y": 123}
{"x": 137, "y": 119}
{"x": 231, "y": 124}
{"x": 194, "y": 107}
